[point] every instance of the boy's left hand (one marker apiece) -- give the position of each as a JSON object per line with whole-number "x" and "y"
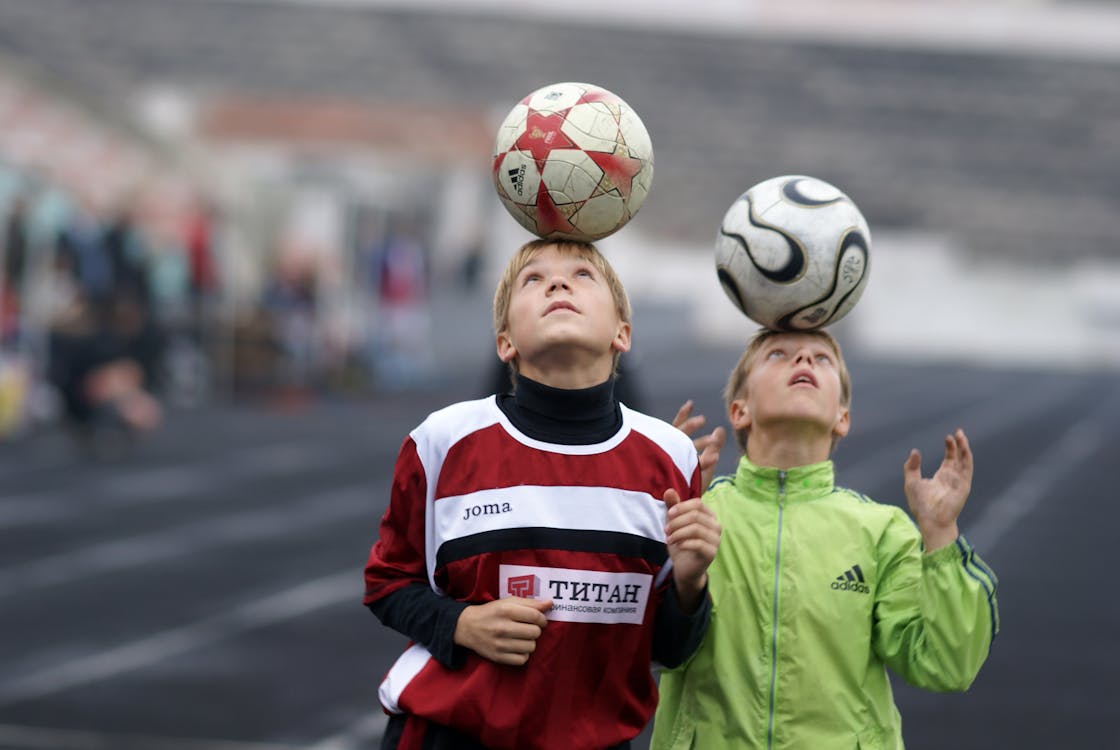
{"x": 692, "y": 534}
{"x": 937, "y": 502}
{"x": 708, "y": 446}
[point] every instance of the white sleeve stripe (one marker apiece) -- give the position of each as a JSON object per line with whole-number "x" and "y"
{"x": 404, "y": 669}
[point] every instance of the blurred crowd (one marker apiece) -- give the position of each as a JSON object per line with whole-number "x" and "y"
{"x": 93, "y": 309}
{"x": 108, "y": 318}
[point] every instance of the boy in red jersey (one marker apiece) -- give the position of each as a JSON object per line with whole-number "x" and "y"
{"x": 542, "y": 548}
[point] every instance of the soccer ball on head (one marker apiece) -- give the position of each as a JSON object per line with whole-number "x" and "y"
{"x": 572, "y": 161}
{"x": 792, "y": 253}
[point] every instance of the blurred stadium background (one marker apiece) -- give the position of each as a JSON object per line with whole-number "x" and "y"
{"x": 299, "y": 190}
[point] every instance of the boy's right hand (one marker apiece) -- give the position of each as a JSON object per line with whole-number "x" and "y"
{"x": 504, "y": 630}
{"x": 708, "y": 446}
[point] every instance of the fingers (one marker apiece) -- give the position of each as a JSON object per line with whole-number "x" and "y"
{"x": 711, "y": 443}
{"x": 692, "y": 536}
{"x": 958, "y": 453}
{"x": 688, "y": 424}
{"x": 708, "y": 448}
{"x": 696, "y": 538}
{"x": 950, "y": 449}
{"x": 671, "y": 498}
{"x": 505, "y": 630}
{"x": 691, "y": 525}
{"x": 683, "y": 414}
{"x": 964, "y": 450}
{"x": 719, "y": 438}
{"x": 912, "y": 467}
{"x": 516, "y": 638}
{"x": 540, "y": 605}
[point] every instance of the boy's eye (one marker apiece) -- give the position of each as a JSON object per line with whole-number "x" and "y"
{"x": 775, "y": 354}
{"x": 586, "y": 273}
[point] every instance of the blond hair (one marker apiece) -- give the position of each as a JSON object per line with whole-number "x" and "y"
{"x": 527, "y": 252}
{"x": 737, "y": 383}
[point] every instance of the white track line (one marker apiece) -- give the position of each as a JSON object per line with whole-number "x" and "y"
{"x": 337, "y": 588}
{"x": 45, "y": 738}
{"x": 163, "y": 484}
{"x": 264, "y": 523}
{"x": 1036, "y": 483}
{"x": 994, "y": 416}
{"x": 363, "y": 733}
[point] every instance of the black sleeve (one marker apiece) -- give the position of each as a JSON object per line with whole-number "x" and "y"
{"x": 676, "y": 634}
{"x": 426, "y": 618}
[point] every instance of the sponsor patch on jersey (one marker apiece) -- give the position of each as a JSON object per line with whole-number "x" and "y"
{"x": 580, "y": 595}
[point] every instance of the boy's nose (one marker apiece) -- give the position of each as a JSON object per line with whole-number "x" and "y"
{"x": 558, "y": 282}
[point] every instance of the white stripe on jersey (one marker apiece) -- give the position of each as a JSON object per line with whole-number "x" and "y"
{"x": 567, "y": 507}
{"x": 675, "y": 443}
{"x": 446, "y": 427}
{"x": 434, "y": 438}
{"x": 406, "y": 667}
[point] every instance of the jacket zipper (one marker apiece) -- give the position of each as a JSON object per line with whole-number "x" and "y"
{"x": 774, "y": 624}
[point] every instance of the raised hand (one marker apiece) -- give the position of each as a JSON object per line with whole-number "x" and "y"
{"x": 708, "y": 446}
{"x": 936, "y": 502}
{"x": 692, "y": 534}
{"x": 504, "y": 630}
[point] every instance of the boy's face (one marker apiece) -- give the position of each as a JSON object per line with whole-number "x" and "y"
{"x": 794, "y": 379}
{"x": 563, "y": 325}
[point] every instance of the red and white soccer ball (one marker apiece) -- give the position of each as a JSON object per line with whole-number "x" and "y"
{"x": 793, "y": 253}
{"x": 572, "y": 161}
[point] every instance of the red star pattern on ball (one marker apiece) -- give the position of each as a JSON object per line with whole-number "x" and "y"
{"x": 543, "y": 134}
{"x": 619, "y": 167}
{"x": 551, "y": 219}
{"x": 598, "y": 96}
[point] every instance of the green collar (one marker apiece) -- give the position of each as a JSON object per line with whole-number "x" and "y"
{"x": 799, "y": 483}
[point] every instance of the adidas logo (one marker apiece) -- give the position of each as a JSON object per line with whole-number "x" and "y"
{"x": 851, "y": 580}
{"x": 517, "y": 178}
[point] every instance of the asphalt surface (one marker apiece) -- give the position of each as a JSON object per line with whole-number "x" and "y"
{"x": 203, "y": 592}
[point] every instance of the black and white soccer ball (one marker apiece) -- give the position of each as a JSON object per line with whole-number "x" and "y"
{"x": 793, "y": 253}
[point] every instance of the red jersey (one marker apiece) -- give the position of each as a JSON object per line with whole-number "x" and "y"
{"x": 479, "y": 511}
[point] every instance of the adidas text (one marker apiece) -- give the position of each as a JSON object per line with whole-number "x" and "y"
{"x": 860, "y": 588}
{"x": 517, "y": 179}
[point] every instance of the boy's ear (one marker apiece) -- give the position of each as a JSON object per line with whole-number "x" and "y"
{"x": 621, "y": 342}
{"x": 506, "y": 350}
{"x": 739, "y": 414}
{"x": 843, "y": 423}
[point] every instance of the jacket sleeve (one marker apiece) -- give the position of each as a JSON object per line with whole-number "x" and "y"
{"x": 396, "y": 576}
{"x": 935, "y": 614}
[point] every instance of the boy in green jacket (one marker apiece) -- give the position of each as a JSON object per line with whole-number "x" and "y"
{"x": 816, "y": 589}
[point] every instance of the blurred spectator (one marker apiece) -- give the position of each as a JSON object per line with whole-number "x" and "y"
{"x": 125, "y": 248}
{"x": 15, "y": 246}
{"x": 105, "y": 364}
{"x": 203, "y": 273}
{"x": 403, "y": 351}
{"x": 82, "y": 241}
{"x": 473, "y": 264}
{"x": 290, "y": 302}
{"x": 168, "y": 283}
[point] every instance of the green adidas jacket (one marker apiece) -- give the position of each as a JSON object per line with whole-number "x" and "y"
{"x": 815, "y": 590}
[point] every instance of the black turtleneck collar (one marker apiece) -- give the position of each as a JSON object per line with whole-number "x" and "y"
{"x": 583, "y": 416}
